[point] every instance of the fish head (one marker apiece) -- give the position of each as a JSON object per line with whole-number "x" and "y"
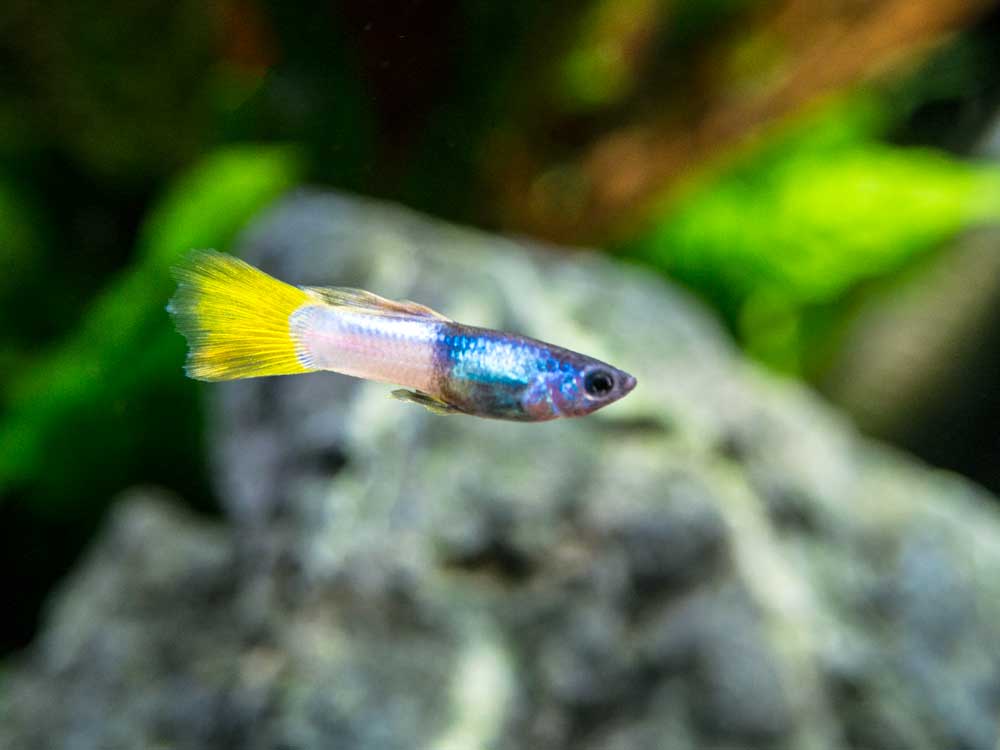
{"x": 578, "y": 387}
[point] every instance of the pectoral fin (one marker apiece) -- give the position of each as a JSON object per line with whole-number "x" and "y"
{"x": 428, "y": 402}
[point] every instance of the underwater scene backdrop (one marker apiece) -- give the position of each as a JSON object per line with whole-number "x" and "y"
{"x": 780, "y": 215}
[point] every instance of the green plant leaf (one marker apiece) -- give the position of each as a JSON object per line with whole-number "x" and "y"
{"x": 123, "y": 362}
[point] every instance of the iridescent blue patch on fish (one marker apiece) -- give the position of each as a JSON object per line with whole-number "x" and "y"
{"x": 505, "y": 376}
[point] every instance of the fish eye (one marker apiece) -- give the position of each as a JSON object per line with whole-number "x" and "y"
{"x": 598, "y": 383}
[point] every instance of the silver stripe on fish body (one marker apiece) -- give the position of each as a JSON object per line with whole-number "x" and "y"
{"x": 387, "y": 349}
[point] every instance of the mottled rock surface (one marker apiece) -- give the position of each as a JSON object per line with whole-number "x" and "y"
{"x": 718, "y": 561}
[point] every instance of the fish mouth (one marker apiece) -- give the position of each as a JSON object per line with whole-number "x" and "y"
{"x": 628, "y": 384}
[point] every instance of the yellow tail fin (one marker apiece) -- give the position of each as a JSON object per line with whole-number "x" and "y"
{"x": 235, "y": 318}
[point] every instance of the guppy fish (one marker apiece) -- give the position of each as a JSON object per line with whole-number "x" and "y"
{"x": 241, "y": 323}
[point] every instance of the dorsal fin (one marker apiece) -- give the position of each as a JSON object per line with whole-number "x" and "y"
{"x": 344, "y": 296}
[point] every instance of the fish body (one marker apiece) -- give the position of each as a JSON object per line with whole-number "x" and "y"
{"x": 240, "y": 322}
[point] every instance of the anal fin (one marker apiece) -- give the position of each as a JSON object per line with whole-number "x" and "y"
{"x": 428, "y": 402}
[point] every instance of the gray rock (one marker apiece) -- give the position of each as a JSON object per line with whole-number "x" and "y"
{"x": 718, "y": 561}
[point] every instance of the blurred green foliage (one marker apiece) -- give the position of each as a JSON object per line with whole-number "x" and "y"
{"x": 87, "y": 405}
{"x": 602, "y": 66}
{"x": 20, "y": 253}
{"x": 107, "y": 406}
{"x": 92, "y": 82}
{"x": 777, "y": 239}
